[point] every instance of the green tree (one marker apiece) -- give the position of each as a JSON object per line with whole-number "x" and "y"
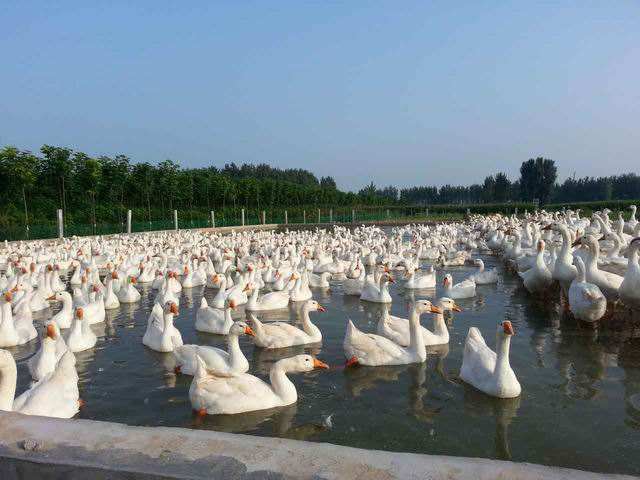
{"x": 537, "y": 179}
{"x": 20, "y": 169}
{"x": 502, "y": 188}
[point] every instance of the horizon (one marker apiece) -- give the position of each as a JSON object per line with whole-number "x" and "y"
{"x": 406, "y": 94}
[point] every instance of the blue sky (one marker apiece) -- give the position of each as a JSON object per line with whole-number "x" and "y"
{"x": 392, "y": 92}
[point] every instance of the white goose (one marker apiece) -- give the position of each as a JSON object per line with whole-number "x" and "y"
{"x": 129, "y": 293}
{"x": 15, "y": 332}
{"x": 482, "y": 276}
{"x": 56, "y": 395}
{"x": 214, "y": 320}
{"x": 630, "y": 287}
{"x": 464, "y": 289}
{"x": 163, "y": 337}
{"x": 586, "y": 301}
{"x": 280, "y": 334}
{"x": 377, "y": 293}
{"x": 608, "y": 282}
{"x": 217, "y": 361}
{"x": 397, "y": 328}
{"x": 375, "y": 350}
{"x": 418, "y": 281}
{"x": 80, "y": 337}
{"x": 64, "y": 317}
{"x": 538, "y": 278}
{"x": 487, "y": 371}
{"x": 244, "y": 393}
{"x": 268, "y": 301}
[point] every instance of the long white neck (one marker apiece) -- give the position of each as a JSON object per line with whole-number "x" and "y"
{"x": 8, "y": 376}
{"x": 67, "y": 302}
{"x": 503, "y": 343}
{"x": 236, "y": 358}
{"x": 565, "y": 250}
{"x": 416, "y": 342}
{"x": 308, "y": 327}
{"x": 280, "y": 384}
{"x": 228, "y": 321}
{"x": 439, "y": 326}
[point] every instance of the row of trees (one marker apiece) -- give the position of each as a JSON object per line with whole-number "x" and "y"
{"x": 90, "y": 190}
{"x": 101, "y": 189}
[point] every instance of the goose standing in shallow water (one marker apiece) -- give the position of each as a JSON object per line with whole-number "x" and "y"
{"x": 376, "y": 350}
{"x": 486, "y": 370}
{"x": 281, "y": 334}
{"x": 211, "y": 395}
{"x": 217, "y": 361}
{"x": 586, "y": 301}
{"x": 630, "y": 286}
{"x": 397, "y": 328}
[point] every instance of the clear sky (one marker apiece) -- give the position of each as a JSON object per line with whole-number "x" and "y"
{"x": 395, "y": 92}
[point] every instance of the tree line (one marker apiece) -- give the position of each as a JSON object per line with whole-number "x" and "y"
{"x": 537, "y": 181}
{"x": 101, "y": 189}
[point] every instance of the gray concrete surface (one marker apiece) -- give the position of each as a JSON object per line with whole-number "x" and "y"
{"x": 52, "y": 449}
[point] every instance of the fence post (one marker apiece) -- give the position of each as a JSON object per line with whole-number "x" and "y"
{"x": 213, "y": 219}
{"x": 286, "y": 218}
{"x": 264, "y": 217}
{"x": 331, "y": 215}
{"x": 128, "y": 221}
{"x": 387, "y": 213}
{"x": 60, "y": 224}
{"x": 353, "y": 215}
{"x": 175, "y": 219}
{"x": 243, "y": 217}
{"x": 304, "y": 216}
{"x": 318, "y": 215}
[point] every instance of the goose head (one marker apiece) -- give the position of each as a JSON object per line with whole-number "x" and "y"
{"x": 446, "y": 303}
{"x": 505, "y": 328}
{"x": 424, "y": 306}
{"x": 303, "y": 363}
{"x": 241, "y": 328}
{"x": 312, "y": 305}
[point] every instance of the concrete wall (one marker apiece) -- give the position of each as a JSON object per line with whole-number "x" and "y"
{"x": 51, "y": 449}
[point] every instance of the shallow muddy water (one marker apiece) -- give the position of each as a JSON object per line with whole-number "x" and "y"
{"x": 580, "y": 405}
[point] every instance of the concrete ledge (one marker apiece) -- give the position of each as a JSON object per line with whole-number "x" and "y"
{"x": 47, "y": 449}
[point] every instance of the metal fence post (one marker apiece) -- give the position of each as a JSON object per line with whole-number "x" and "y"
{"x": 264, "y": 217}
{"x": 353, "y": 216}
{"x": 387, "y": 213}
{"x": 242, "y": 217}
{"x": 318, "y": 215}
{"x": 286, "y": 218}
{"x": 175, "y": 219}
{"x": 331, "y": 215}
{"x": 60, "y": 224}
{"x": 128, "y": 221}
{"x": 213, "y": 219}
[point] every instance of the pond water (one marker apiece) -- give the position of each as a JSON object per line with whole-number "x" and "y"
{"x": 580, "y": 405}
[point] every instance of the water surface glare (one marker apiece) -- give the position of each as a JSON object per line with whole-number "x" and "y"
{"x": 580, "y": 405}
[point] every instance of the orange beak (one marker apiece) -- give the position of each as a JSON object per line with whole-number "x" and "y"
{"x": 8, "y": 296}
{"x": 508, "y": 328}
{"x": 79, "y": 313}
{"x": 52, "y": 297}
{"x": 248, "y": 331}
{"x": 114, "y": 275}
{"x": 391, "y": 280}
{"x": 232, "y": 304}
{"x": 456, "y": 308}
{"x": 321, "y": 308}
{"x": 51, "y": 332}
{"x": 174, "y": 308}
{"x": 320, "y": 364}
{"x": 435, "y": 309}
